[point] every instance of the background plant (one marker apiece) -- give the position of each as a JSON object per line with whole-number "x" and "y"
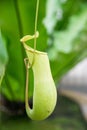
{"x": 63, "y": 28}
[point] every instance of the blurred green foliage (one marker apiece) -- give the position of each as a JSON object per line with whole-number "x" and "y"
{"x": 3, "y": 57}
{"x": 67, "y": 35}
{"x": 63, "y": 28}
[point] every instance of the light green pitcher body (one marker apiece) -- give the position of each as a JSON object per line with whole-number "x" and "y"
{"x": 44, "y": 95}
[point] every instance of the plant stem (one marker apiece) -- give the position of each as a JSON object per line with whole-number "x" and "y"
{"x": 27, "y": 65}
{"x": 37, "y": 8}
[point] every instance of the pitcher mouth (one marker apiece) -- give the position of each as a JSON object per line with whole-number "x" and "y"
{"x": 28, "y": 48}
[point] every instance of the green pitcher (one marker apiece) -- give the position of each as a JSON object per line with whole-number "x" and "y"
{"x": 44, "y": 94}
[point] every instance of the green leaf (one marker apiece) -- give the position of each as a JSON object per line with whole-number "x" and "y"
{"x": 63, "y": 40}
{"x": 20, "y": 23}
{"x": 3, "y": 57}
{"x": 69, "y": 46}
